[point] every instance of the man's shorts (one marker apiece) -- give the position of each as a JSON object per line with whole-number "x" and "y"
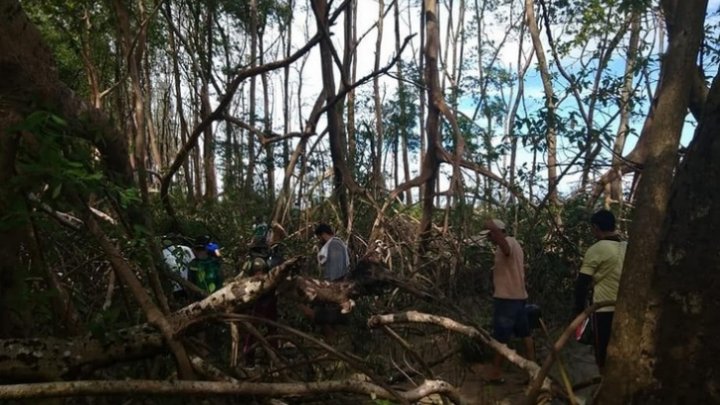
{"x": 509, "y": 318}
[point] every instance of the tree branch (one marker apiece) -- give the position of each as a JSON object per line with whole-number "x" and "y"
{"x": 481, "y": 335}
{"x": 152, "y": 387}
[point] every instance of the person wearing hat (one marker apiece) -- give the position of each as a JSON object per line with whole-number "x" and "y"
{"x": 601, "y": 270}
{"x": 266, "y": 252}
{"x": 509, "y": 296}
{"x": 204, "y": 269}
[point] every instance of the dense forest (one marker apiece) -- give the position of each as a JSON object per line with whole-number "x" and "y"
{"x": 129, "y": 129}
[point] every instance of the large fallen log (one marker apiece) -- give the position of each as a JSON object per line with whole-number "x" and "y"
{"x": 274, "y": 390}
{"x": 44, "y": 359}
{"x": 49, "y": 359}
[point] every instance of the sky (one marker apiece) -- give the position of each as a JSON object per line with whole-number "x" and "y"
{"x": 304, "y": 27}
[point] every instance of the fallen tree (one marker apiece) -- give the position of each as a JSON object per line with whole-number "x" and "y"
{"x": 150, "y": 387}
{"x": 43, "y": 359}
{"x": 532, "y": 368}
{"x": 52, "y": 359}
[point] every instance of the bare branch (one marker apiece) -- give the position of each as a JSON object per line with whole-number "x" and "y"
{"x": 152, "y": 387}
{"x": 218, "y": 113}
{"x": 481, "y": 335}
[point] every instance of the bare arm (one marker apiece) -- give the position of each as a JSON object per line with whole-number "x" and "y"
{"x": 498, "y": 236}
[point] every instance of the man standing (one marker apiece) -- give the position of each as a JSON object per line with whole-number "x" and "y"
{"x": 333, "y": 256}
{"x": 510, "y": 295}
{"x": 334, "y": 261}
{"x": 266, "y": 253}
{"x": 601, "y": 269}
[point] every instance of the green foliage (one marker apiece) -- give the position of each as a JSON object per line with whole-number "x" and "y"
{"x": 268, "y": 11}
{"x": 69, "y": 27}
{"x": 55, "y": 159}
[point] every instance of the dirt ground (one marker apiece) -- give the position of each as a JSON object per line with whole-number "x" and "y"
{"x": 578, "y": 360}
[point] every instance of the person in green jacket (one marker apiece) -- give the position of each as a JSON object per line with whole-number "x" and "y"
{"x": 204, "y": 270}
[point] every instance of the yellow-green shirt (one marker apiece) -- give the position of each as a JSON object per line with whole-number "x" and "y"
{"x": 603, "y": 262}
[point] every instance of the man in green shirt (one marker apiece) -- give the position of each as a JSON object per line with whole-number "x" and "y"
{"x": 601, "y": 269}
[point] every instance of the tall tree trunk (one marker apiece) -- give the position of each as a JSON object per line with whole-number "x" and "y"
{"x": 625, "y": 107}
{"x": 196, "y": 100}
{"x": 632, "y": 355}
{"x": 286, "y": 85}
{"x": 421, "y": 74}
{"x": 250, "y": 170}
{"x": 133, "y": 50}
{"x": 267, "y": 125}
{"x": 205, "y": 110}
{"x": 351, "y": 44}
{"x": 153, "y": 138}
{"x": 378, "y": 181}
{"x": 679, "y": 345}
{"x": 551, "y": 122}
{"x": 177, "y": 82}
{"x": 404, "y": 99}
{"x": 431, "y": 163}
{"x": 336, "y": 130}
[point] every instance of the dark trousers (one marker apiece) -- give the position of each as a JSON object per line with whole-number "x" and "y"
{"x": 265, "y": 307}
{"x": 602, "y": 321}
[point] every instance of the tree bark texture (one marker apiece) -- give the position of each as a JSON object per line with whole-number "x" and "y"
{"x": 336, "y": 130}
{"x": 633, "y": 347}
{"x": 551, "y": 130}
{"x": 430, "y": 161}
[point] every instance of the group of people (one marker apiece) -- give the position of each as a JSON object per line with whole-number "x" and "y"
{"x": 200, "y": 265}
{"x": 599, "y": 275}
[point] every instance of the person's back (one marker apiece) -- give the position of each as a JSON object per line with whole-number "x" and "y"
{"x": 205, "y": 273}
{"x": 601, "y": 269}
{"x": 603, "y": 262}
{"x": 177, "y": 259}
{"x": 205, "y": 270}
{"x": 510, "y": 296}
{"x": 509, "y": 272}
{"x": 334, "y": 259}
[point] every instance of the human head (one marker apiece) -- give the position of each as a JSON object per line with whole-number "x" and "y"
{"x": 602, "y": 222}
{"x": 324, "y": 232}
{"x": 500, "y": 224}
{"x": 200, "y": 246}
{"x": 259, "y": 246}
{"x": 200, "y": 252}
{"x": 497, "y": 223}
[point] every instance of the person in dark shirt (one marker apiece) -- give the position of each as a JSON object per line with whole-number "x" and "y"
{"x": 266, "y": 252}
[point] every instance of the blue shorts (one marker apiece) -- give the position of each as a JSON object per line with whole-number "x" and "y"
{"x": 509, "y": 318}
